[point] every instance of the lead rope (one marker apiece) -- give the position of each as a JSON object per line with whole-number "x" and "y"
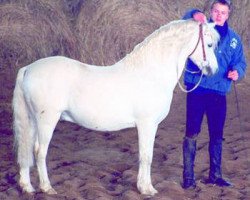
{"x": 240, "y": 121}
{"x": 187, "y": 91}
{"x": 237, "y": 106}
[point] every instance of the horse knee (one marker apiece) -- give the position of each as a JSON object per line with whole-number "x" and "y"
{"x": 146, "y": 160}
{"x": 145, "y": 157}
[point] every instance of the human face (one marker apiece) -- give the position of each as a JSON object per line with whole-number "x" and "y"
{"x": 219, "y": 13}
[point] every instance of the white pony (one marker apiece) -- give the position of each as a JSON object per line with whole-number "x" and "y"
{"x": 134, "y": 92}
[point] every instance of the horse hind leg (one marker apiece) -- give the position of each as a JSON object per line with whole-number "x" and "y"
{"x": 46, "y": 124}
{"x": 24, "y": 181}
{"x": 146, "y": 135}
{"x": 25, "y": 156}
{"x": 25, "y": 164}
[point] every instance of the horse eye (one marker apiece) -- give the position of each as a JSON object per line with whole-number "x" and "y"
{"x": 209, "y": 45}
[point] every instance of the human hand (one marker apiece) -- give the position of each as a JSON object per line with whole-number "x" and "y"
{"x": 234, "y": 75}
{"x": 200, "y": 17}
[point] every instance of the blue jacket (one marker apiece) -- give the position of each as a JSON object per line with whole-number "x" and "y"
{"x": 230, "y": 56}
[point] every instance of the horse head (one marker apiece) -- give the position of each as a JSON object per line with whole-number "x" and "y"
{"x": 203, "y": 54}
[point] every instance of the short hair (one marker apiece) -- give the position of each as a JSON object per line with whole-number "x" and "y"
{"x": 223, "y": 2}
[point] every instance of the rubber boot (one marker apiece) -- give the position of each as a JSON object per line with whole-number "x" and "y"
{"x": 215, "y": 174}
{"x": 189, "y": 151}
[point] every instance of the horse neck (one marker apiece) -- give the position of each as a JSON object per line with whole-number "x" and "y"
{"x": 162, "y": 56}
{"x": 178, "y": 51}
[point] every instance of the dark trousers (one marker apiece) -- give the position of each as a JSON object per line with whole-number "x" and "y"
{"x": 213, "y": 106}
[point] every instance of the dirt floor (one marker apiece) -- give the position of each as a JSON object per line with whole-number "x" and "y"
{"x": 85, "y": 164}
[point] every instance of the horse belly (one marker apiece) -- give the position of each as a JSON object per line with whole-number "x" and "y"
{"x": 101, "y": 118}
{"x": 119, "y": 109}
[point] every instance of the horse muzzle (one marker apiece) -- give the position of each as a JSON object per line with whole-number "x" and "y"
{"x": 207, "y": 69}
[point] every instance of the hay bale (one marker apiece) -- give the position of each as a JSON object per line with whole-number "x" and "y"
{"x": 240, "y": 21}
{"x": 31, "y": 30}
{"x": 108, "y": 30}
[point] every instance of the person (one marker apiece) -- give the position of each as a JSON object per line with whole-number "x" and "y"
{"x": 209, "y": 98}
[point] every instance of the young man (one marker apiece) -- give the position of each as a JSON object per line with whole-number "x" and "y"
{"x": 210, "y": 97}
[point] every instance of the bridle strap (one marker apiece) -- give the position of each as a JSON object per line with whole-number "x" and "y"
{"x": 204, "y": 59}
{"x": 200, "y": 33}
{"x": 202, "y": 43}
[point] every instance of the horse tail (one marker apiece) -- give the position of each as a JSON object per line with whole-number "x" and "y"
{"x": 22, "y": 125}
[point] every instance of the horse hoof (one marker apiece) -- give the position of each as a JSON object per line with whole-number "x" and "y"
{"x": 49, "y": 191}
{"x": 150, "y": 191}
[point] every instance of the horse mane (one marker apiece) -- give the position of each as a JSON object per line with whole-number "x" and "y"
{"x": 170, "y": 34}
{"x": 167, "y": 29}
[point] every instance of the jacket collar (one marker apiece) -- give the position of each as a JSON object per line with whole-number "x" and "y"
{"x": 222, "y": 30}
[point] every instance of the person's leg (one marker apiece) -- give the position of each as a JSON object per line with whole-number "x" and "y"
{"x": 194, "y": 116}
{"x": 189, "y": 151}
{"x": 216, "y": 115}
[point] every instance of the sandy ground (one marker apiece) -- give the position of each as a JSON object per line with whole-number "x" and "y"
{"x": 85, "y": 164}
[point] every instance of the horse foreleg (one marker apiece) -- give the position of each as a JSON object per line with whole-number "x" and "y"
{"x": 146, "y": 135}
{"x": 46, "y": 126}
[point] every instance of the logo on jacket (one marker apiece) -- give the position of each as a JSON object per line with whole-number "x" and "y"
{"x": 233, "y": 43}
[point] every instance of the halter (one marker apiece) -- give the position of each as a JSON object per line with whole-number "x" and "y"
{"x": 202, "y": 43}
{"x": 203, "y": 63}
